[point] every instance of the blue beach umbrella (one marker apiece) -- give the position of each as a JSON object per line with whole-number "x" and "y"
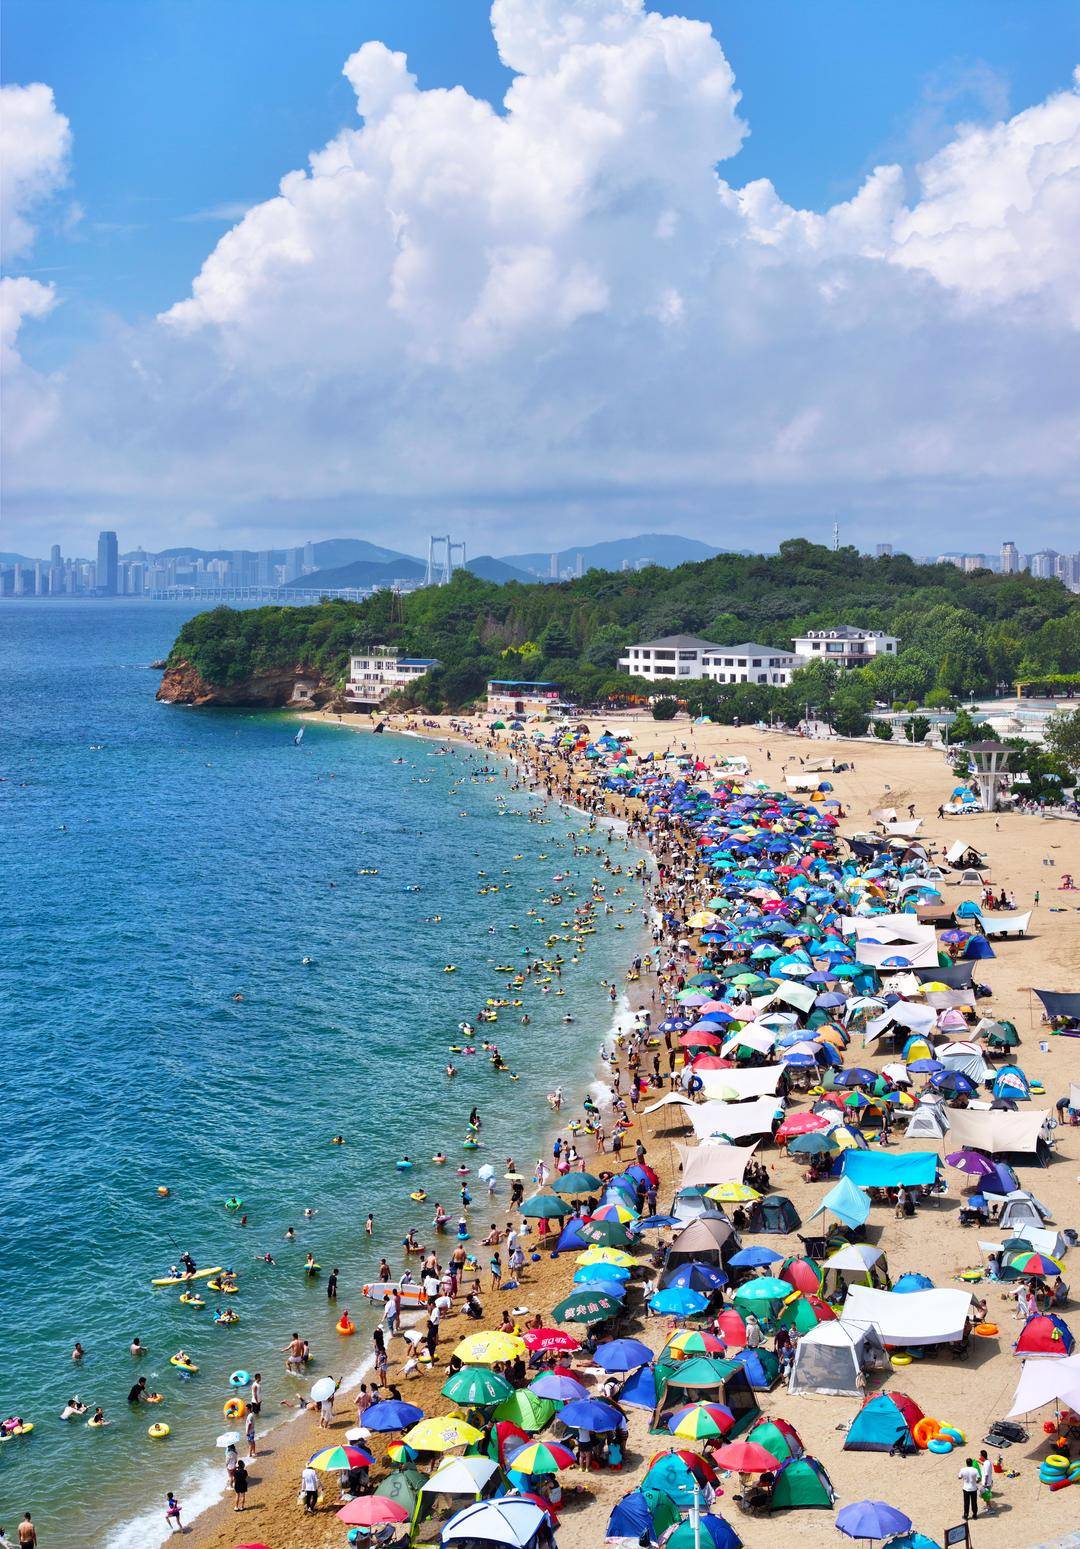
{"x": 622, "y": 1355}
{"x": 679, "y": 1302}
{"x": 754, "y": 1258}
{"x": 655, "y": 1223}
{"x": 391, "y": 1414}
{"x": 696, "y": 1277}
{"x": 561, "y": 1389}
{"x": 872, "y": 1519}
{"x": 590, "y": 1414}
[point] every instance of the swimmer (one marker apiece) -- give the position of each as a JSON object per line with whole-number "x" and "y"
{"x": 78, "y": 1352}
{"x": 308, "y": 1212}
{"x": 290, "y": 1234}
{"x": 137, "y": 1347}
{"x": 337, "y": 1140}
{"x": 451, "y": 1070}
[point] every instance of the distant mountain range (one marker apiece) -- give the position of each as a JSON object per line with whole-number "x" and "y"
{"x": 347, "y": 562}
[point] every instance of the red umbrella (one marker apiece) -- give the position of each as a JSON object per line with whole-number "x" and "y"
{"x": 550, "y": 1339}
{"x": 712, "y": 1062}
{"x": 731, "y": 1326}
{"x": 745, "y": 1457}
{"x": 507, "y": 1434}
{"x": 368, "y": 1510}
{"x": 544, "y": 1505}
{"x": 702, "y": 1040}
{"x": 801, "y": 1124}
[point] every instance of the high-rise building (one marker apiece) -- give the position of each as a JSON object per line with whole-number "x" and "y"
{"x": 579, "y": 566}
{"x": 54, "y": 555}
{"x": 17, "y": 587}
{"x": 553, "y": 567}
{"x": 883, "y": 550}
{"x": 1042, "y": 564}
{"x": 1010, "y": 558}
{"x": 294, "y": 564}
{"x": 264, "y": 568}
{"x": 309, "y": 557}
{"x": 107, "y": 562}
{"x": 39, "y": 578}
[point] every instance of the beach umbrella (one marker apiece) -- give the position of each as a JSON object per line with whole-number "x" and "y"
{"x": 325, "y": 1388}
{"x": 391, "y": 1414}
{"x": 606, "y": 1254}
{"x": 754, "y": 1258}
{"x": 812, "y": 1145}
{"x": 732, "y": 1193}
{"x": 971, "y": 1162}
{"x": 1031, "y": 1263}
{"x": 586, "y": 1306}
{"x": 541, "y": 1457}
{"x": 601, "y": 1284}
{"x": 330, "y": 1458}
{"x": 605, "y": 1234}
{"x": 800, "y": 1124}
{"x": 678, "y": 1302}
{"x": 766, "y": 1288}
{"x": 476, "y": 1385}
{"x": 489, "y": 1346}
{"x": 591, "y": 1414}
{"x": 871, "y": 1519}
{"x": 442, "y": 1433}
{"x": 545, "y": 1207}
{"x": 696, "y": 1277}
{"x": 697, "y": 1421}
{"x": 559, "y": 1389}
{"x": 745, "y": 1457}
{"x": 513, "y": 1520}
{"x": 397, "y": 1453}
{"x": 695, "y": 1341}
{"x": 546, "y": 1339}
{"x": 577, "y": 1183}
{"x": 590, "y": 1272}
{"x": 229, "y": 1439}
{"x": 622, "y": 1355}
{"x": 612, "y": 1212}
{"x": 370, "y": 1510}
{"x": 713, "y": 1533}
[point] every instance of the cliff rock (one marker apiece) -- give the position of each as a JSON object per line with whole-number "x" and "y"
{"x": 183, "y": 684}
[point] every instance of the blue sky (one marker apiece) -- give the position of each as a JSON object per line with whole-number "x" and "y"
{"x": 186, "y": 112}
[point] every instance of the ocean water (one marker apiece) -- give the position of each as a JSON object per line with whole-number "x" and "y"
{"x": 156, "y": 862}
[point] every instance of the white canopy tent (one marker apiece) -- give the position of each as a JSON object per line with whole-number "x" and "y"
{"x": 736, "y": 1120}
{"x": 831, "y": 1357}
{"x": 1047, "y": 1382}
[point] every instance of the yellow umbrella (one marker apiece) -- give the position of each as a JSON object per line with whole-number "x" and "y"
{"x": 702, "y": 920}
{"x": 488, "y": 1346}
{"x": 732, "y": 1193}
{"x": 598, "y": 1255}
{"x": 441, "y": 1433}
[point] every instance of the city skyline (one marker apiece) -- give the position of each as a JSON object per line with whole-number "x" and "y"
{"x": 486, "y": 271}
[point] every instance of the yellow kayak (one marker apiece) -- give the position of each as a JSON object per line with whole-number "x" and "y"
{"x": 200, "y": 1274}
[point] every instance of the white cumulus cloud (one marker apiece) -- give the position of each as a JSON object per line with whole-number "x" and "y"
{"x": 570, "y": 297}
{"x": 35, "y": 144}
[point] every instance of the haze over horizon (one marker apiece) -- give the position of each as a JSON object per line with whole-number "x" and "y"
{"x": 587, "y": 270}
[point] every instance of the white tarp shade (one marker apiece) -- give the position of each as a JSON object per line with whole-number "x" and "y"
{"x": 1040, "y": 1239}
{"x": 801, "y": 996}
{"x": 914, "y": 954}
{"x": 759, "y": 1038}
{"x": 918, "y": 1318}
{"x": 918, "y": 1019}
{"x": 1047, "y": 1382}
{"x": 884, "y": 814}
{"x": 946, "y": 1000}
{"x": 801, "y": 782}
{"x": 961, "y": 849}
{"x": 759, "y": 1082}
{"x": 669, "y": 1100}
{"x": 1074, "y": 1094}
{"x": 736, "y": 1120}
{"x": 905, "y": 830}
{"x": 1005, "y": 924}
{"x": 887, "y": 927}
{"x": 709, "y": 1164}
{"x": 996, "y": 1131}
{"x": 820, "y": 765}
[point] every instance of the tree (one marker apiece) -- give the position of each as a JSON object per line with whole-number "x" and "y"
{"x": 1063, "y": 738}
{"x": 850, "y": 719}
{"x": 917, "y": 728}
{"x": 665, "y": 709}
{"x": 883, "y": 730}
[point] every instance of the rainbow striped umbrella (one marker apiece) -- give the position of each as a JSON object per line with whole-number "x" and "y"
{"x": 340, "y": 1457}
{"x": 541, "y": 1457}
{"x": 696, "y": 1421}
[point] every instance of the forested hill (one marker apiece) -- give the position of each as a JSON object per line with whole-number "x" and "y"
{"x": 960, "y": 633}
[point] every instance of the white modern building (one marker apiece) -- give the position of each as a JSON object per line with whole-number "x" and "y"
{"x": 846, "y": 645}
{"x": 383, "y": 671}
{"x": 688, "y": 657}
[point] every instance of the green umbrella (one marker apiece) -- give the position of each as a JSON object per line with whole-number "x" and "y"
{"x": 528, "y": 1410}
{"x": 476, "y": 1385}
{"x": 577, "y": 1183}
{"x": 609, "y": 1234}
{"x": 765, "y": 1289}
{"x": 585, "y": 1306}
{"x": 546, "y": 1206}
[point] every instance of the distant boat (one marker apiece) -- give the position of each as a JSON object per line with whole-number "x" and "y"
{"x": 298, "y": 739}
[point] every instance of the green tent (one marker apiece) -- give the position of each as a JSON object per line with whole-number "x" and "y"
{"x": 526, "y": 1409}
{"x": 704, "y": 1378}
{"x": 802, "y": 1484}
{"x": 777, "y": 1437}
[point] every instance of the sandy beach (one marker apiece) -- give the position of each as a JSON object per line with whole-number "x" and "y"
{"x": 966, "y": 1394}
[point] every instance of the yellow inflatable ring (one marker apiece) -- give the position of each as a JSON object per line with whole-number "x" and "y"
{"x": 924, "y": 1431}
{"x": 950, "y": 1433}
{"x": 1057, "y": 1460}
{"x": 158, "y": 1431}
{"x": 986, "y": 1330}
{"x": 900, "y": 1360}
{"x": 234, "y": 1409}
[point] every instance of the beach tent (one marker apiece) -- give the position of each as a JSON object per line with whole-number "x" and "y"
{"x": 702, "y": 1379}
{"x": 967, "y": 1058}
{"x": 1052, "y": 1243}
{"x": 846, "y": 1202}
{"x": 777, "y": 1436}
{"x": 762, "y": 1368}
{"x": 1020, "y": 1211}
{"x": 512, "y": 1520}
{"x": 802, "y": 1484}
{"x": 776, "y": 1214}
{"x": 831, "y": 1357}
{"x": 929, "y": 1121}
{"x": 854, "y": 1264}
{"x": 969, "y": 878}
{"x": 919, "y": 1318}
{"x": 872, "y": 1170}
{"x": 884, "y": 1424}
{"x": 978, "y": 947}
{"x": 961, "y": 854}
{"x": 1045, "y": 1334}
{"x": 703, "y": 1239}
{"x": 1011, "y": 1082}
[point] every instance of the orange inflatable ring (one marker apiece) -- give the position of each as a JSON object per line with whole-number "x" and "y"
{"x": 234, "y": 1409}
{"x": 924, "y": 1431}
{"x": 345, "y": 1326}
{"x": 986, "y": 1330}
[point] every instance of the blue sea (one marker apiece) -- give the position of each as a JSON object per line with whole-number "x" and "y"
{"x": 157, "y": 863}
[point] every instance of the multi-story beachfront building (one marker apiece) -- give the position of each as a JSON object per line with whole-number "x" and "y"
{"x": 518, "y": 697}
{"x": 688, "y": 657}
{"x": 382, "y": 671}
{"x": 846, "y": 645}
